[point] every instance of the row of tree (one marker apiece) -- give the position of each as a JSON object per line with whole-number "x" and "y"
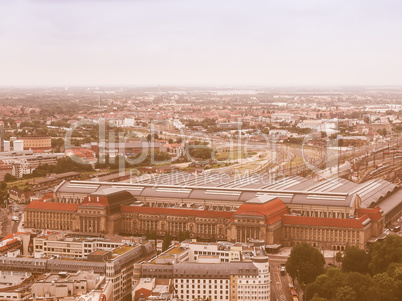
{"x": 366, "y": 276}
{"x": 167, "y": 238}
{"x": 337, "y": 285}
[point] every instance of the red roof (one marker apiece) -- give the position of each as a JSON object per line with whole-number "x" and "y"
{"x": 10, "y": 245}
{"x": 47, "y": 196}
{"x": 12, "y": 235}
{"x": 272, "y": 210}
{"x": 180, "y": 212}
{"x": 94, "y": 205}
{"x": 95, "y": 200}
{"x": 324, "y": 222}
{"x": 40, "y": 205}
{"x": 142, "y": 292}
{"x": 373, "y": 213}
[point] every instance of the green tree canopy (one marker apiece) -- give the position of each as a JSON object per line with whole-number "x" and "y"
{"x": 384, "y": 253}
{"x": 355, "y": 260}
{"x": 306, "y": 262}
{"x": 167, "y": 240}
{"x": 336, "y": 285}
{"x": 9, "y": 178}
{"x": 318, "y": 298}
{"x": 183, "y": 235}
{"x": 345, "y": 293}
{"x": 386, "y": 287}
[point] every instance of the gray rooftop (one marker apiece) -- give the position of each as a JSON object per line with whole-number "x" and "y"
{"x": 291, "y": 190}
{"x": 213, "y": 270}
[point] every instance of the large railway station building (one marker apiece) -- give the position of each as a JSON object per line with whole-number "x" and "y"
{"x": 331, "y": 214}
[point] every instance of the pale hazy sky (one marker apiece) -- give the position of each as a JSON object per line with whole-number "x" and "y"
{"x": 185, "y": 42}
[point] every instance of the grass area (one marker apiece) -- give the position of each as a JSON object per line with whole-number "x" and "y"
{"x": 234, "y": 155}
{"x": 138, "y": 132}
{"x": 250, "y": 166}
{"x": 21, "y": 184}
{"x": 296, "y": 161}
{"x": 121, "y": 250}
{"x": 175, "y": 251}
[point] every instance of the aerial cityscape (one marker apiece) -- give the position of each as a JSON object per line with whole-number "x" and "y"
{"x": 200, "y": 151}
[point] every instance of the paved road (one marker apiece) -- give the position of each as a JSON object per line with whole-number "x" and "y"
{"x": 10, "y": 226}
{"x": 279, "y": 283}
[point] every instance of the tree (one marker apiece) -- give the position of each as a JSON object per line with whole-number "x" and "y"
{"x": 338, "y": 256}
{"x": 167, "y": 240}
{"x": 355, "y": 260}
{"x": 183, "y": 235}
{"x": 152, "y": 137}
{"x": 3, "y": 193}
{"x": 325, "y": 285}
{"x": 345, "y": 293}
{"x": 384, "y": 253}
{"x": 9, "y": 178}
{"x": 362, "y": 284}
{"x": 151, "y": 234}
{"x": 305, "y": 262}
{"x": 328, "y": 284}
{"x": 318, "y": 298}
{"x": 386, "y": 287}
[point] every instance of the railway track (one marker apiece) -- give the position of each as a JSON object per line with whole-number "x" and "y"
{"x": 391, "y": 173}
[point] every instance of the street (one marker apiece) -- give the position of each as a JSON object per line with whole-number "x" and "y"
{"x": 12, "y": 218}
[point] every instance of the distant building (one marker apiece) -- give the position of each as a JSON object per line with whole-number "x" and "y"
{"x": 5, "y": 169}
{"x": 26, "y": 164}
{"x": 6, "y": 146}
{"x": 18, "y": 146}
{"x": 373, "y": 127}
{"x": 1, "y": 136}
{"x": 84, "y": 155}
{"x": 37, "y": 144}
{"x": 20, "y": 196}
{"x": 356, "y": 141}
{"x": 234, "y": 125}
{"x": 287, "y": 118}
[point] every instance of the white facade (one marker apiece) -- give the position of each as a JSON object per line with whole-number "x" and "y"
{"x": 18, "y": 145}
{"x": 128, "y": 122}
{"x": 207, "y": 249}
{"x": 6, "y": 146}
{"x": 254, "y": 288}
{"x": 243, "y": 282}
{"x": 70, "y": 247}
{"x": 237, "y": 272}
{"x": 190, "y": 289}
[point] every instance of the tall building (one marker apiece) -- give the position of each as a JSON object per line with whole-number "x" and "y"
{"x": 1, "y": 136}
